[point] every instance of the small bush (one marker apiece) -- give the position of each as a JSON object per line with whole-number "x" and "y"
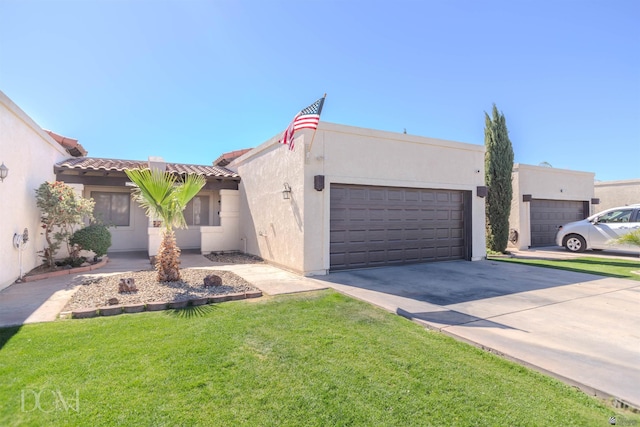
{"x": 96, "y": 238}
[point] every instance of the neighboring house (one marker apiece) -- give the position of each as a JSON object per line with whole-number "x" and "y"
{"x": 348, "y": 197}
{"x": 545, "y": 198}
{"x": 617, "y": 193}
{"x": 30, "y": 153}
{"x": 211, "y": 216}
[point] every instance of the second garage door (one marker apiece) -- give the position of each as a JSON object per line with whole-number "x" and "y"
{"x": 374, "y": 226}
{"x": 548, "y": 215}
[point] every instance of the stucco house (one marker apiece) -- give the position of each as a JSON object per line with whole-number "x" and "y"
{"x": 29, "y": 152}
{"x": 617, "y": 193}
{"x": 332, "y": 203}
{"x": 545, "y": 198}
{"x": 348, "y": 197}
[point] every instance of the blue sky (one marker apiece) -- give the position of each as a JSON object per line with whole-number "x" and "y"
{"x": 189, "y": 80}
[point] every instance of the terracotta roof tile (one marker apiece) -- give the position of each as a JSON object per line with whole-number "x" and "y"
{"x": 92, "y": 163}
{"x": 227, "y": 158}
{"x": 71, "y": 145}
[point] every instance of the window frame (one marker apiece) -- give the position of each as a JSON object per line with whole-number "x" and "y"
{"x": 109, "y": 223}
{"x": 205, "y": 206}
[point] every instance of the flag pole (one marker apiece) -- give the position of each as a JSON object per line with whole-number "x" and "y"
{"x": 314, "y": 131}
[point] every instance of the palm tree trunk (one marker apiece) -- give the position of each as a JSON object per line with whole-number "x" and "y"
{"x": 168, "y": 258}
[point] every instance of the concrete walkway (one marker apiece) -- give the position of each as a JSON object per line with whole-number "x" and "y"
{"x": 43, "y": 300}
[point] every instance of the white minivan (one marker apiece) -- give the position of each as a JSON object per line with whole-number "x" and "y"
{"x": 598, "y": 231}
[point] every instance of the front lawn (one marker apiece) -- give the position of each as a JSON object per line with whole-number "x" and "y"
{"x": 613, "y": 267}
{"x": 318, "y": 359}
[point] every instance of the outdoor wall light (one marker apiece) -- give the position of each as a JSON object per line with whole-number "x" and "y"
{"x": 4, "y": 171}
{"x": 286, "y": 193}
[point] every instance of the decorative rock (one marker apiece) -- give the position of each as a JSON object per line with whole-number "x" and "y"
{"x": 134, "y": 308}
{"x": 253, "y": 294}
{"x": 113, "y": 301}
{"x": 98, "y": 291}
{"x": 111, "y": 311}
{"x": 212, "y": 280}
{"x": 127, "y": 285}
{"x": 84, "y": 313}
{"x": 178, "y": 304}
{"x": 199, "y": 301}
{"x": 156, "y": 306}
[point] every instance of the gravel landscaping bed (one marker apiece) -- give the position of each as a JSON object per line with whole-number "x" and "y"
{"x": 234, "y": 258}
{"x": 98, "y": 292}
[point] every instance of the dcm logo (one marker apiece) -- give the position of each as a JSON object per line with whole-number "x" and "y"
{"x": 48, "y": 400}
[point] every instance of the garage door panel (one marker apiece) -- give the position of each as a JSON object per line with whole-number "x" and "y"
{"x": 376, "y": 195}
{"x": 547, "y": 215}
{"x": 356, "y": 194}
{"x": 372, "y": 226}
{"x": 411, "y": 196}
{"x": 442, "y": 196}
{"x": 394, "y": 195}
{"x": 442, "y": 214}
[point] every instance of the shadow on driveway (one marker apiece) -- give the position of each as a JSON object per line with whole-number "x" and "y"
{"x": 450, "y": 318}
{"x": 455, "y": 282}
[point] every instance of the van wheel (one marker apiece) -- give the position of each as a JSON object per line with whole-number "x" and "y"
{"x": 575, "y": 243}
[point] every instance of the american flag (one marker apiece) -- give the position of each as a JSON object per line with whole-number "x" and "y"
{"x": 308, "y": 118}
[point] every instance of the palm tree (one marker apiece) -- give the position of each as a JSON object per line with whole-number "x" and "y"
{"x": 163, "y": 195}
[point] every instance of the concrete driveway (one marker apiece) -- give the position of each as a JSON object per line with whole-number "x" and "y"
{"x": 580, "y": 328}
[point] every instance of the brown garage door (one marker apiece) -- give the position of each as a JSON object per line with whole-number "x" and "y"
{"x": 548, "y": 215}
{"x": 373, "y": 226}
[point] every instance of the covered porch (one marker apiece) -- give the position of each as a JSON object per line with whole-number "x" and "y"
{"x": 212, "y": 216}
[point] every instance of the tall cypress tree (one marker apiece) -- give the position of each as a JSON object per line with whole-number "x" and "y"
{"x": 498, "y": 165}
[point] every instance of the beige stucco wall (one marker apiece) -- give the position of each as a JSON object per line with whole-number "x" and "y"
{"x": 30, "y": 154}
{"x": 544, "y": 183}
{"x": 295, "y": 233}
{"x": 125, "y": 238}
{"x": 226, "y": 235}
{"x": 617, "y": 193}
{"x": 270, "y": 226}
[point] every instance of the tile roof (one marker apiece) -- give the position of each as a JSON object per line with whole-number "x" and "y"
{"x": 227, "y": 158}
{"x": 96, "y": 164}
{"x": 71, "y": 145}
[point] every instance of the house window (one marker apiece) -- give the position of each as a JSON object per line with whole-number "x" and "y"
{"x": 197, "y": 211}
{"x": 112, "y": 208}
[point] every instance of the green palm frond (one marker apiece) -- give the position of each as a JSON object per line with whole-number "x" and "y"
{"x": 184, "y": 192}
{"x": 162, "y": 195}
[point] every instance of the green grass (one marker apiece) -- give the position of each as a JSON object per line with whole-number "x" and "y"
{"x": 315, "y": 359}
{"x": 621, "y": 268}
